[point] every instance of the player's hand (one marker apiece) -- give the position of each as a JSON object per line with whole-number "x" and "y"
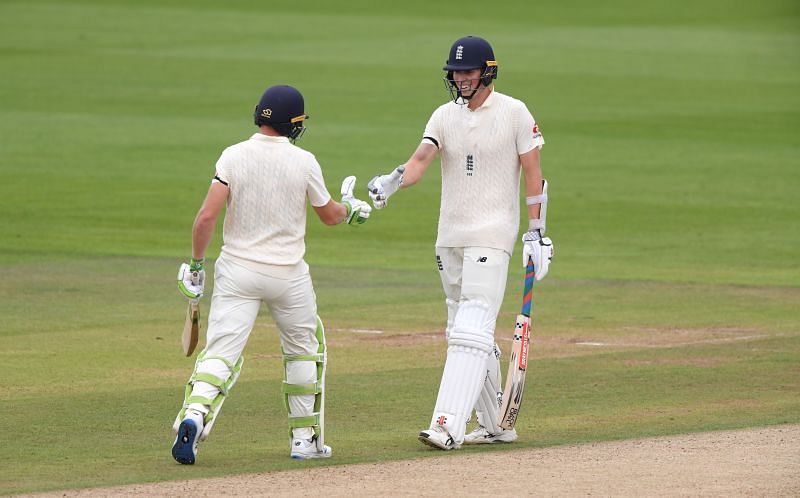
{"x": 382, "y": 187}
{"x": 538, "y": 248}
{"x": 192, "y": 279}
{"x": 357, "y": 210}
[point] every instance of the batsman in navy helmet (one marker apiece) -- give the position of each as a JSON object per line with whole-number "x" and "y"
{"x": 265, "y": 184}
{"x": 282, "y": 108}
{"x": 484, "y": 140}
{"x": 467, "y": 55}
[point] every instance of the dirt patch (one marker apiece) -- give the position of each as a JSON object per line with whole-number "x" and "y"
{"x": 750, "y": 462}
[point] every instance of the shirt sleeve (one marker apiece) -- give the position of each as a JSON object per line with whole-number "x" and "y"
{"x": 318, "y": 194}
{"x": 432, "y": 134}
{"x": 528, "y": 133}
{"x": 222, "y": 172}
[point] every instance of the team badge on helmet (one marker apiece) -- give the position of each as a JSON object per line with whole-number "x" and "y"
{"x": 467, "y": 53}
{"x": 282, "y": 107}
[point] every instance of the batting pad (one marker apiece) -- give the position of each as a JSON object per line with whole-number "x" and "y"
{"x": 463, "y": 376}
{"x": 488, "y": 404}
{"x": 218, "y": 372}
{"x": 304, "y": 389}
{"x": 472, "y": 327}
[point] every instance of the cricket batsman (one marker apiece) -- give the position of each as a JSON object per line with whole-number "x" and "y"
{"x": 484, "y": 139}
{"x": 264, "y": 183}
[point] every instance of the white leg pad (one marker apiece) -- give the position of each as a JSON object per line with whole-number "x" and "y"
{"x": 490, "y": 399}
{"x": 473, "y": 326}
{"x": 463, "y": 375}
{"x": 301, "y": 405}
{"x": 469, "y": 346}
{"x": 304, "y": 390}
{"x": 207, "y": 389}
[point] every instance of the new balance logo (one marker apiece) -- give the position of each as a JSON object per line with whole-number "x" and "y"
{"x": 470, "y": 165}
{"x": 482, "y": 259}
{"x": 459, "y": 52}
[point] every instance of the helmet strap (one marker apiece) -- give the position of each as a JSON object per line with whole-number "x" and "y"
{"x": 489, "y": 73}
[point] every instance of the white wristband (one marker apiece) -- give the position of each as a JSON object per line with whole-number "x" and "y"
{"x": 536, "y": 199}
{"x": 536, "y": 224}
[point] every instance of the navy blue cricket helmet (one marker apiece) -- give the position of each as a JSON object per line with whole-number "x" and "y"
{"x": 467, "y": 53}
{"x": 282, "y": 108}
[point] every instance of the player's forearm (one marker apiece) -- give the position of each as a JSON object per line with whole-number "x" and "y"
{"x": 202, "y": 232}
{"x": 417, "y": 164}
{"x": 331, "y": 213}
{"x": 532, "y": 171}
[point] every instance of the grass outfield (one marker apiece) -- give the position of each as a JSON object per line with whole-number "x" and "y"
{"x": 671, "y": 152}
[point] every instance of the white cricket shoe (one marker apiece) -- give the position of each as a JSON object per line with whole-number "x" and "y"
{"x": 304, "y": 449}
{"x": 438, "y": 437}
{"x": 481, "y": 435}
{"x": 184, "y": 450}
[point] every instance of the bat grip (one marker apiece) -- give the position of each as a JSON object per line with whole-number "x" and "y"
{"x": 527, "y": 293}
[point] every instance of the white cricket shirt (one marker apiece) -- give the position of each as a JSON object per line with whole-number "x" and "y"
{"x": 480, "y": 170}
{"x": 269, "y": 180}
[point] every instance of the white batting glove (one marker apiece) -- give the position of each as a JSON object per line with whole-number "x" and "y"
{"x": 357, "y": 210}
{"x": 192, "y": 279}
{"x": 383, "y": 186}
{"x": 538, "y": 248}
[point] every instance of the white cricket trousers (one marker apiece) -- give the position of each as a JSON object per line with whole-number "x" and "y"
{"x": 477, "y": 273}
{"x": 238, "y": 294}
{"x": 474, "y": 283}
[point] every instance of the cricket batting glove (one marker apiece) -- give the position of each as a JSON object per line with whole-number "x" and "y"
{"x": 538, "y": 248}
{"x": 382, "y": 187}
{"x": 357, "y": 210}
{"x": 192, "y": 279}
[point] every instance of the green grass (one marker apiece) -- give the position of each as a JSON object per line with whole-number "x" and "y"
{"x": 671, "y": 151}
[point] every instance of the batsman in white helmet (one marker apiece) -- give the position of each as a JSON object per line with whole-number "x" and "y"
{"x": 265, "y": 183}
{"x": 484, "y": 139}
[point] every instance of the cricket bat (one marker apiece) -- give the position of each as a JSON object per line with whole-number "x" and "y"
{"x": 518, "y": 361}
{"x": 191, "y": 329}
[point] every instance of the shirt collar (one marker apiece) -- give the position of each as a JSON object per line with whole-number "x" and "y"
{"x": 486, "y": 103}
{"x": 266, "y": 138}
{"x": 489, "y": 100}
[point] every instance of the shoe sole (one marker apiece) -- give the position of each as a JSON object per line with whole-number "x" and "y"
{"x": 426, "y": 439}
{"x": 183, "y": 449}
{"x": 489, "y": 441}
{"x": 310, "y": 456}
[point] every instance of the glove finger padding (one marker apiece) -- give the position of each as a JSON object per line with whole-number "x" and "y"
{"x": 376, "y": 193}
{"x": 543, "y": 252}
{"x": 357, "y": 211}
{"x": 347, "y": 186}
{"x": 382, "y": 187}
{"x": 191, "y": 283}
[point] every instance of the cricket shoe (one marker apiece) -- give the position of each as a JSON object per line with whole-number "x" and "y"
{"x": 304, "y": 449}
{"x": 481, "y": 435}
{"x": 438, "y": 437}
{"x": 184, "y": 450}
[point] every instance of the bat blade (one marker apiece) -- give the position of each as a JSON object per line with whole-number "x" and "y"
{"x": 515, "y": 379}
{"x": 191, "y": 329}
